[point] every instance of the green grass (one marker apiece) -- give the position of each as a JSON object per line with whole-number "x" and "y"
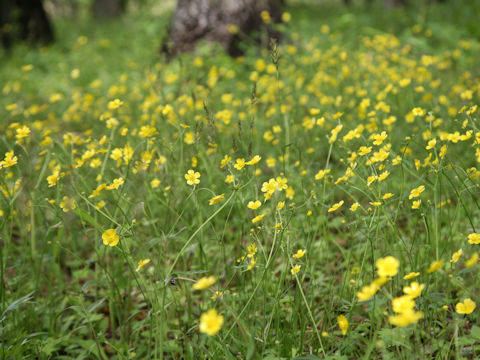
{"x": 64, "y": 294}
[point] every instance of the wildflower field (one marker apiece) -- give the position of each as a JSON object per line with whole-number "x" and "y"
{"x": 316, "y": 198}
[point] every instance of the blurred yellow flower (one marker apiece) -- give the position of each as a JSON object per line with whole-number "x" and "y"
{"x": 343, "y": 324}
{"x": 204, "y": 283}
{"x": 387, "y": 266}
{"x": 210, "y": 322}
{"x": 466, "y": 307}
{"x": 110, "y": 237}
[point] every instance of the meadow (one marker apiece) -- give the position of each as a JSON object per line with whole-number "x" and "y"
{"x": 316, "y": 198}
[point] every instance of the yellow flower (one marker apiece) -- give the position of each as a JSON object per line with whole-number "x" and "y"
{"x": 97, "y": 191}
{"x": 216, "y": 199}
{"x": 354, "y": 206}
{"x": 295, "y": 269}
{"x": 22, "y": 132}
{"x": 416, "y": 204}
{"x": 336, "y": 206}
{"x": 239, "y": 164}
{"x": 411, "y": 275}
{"x": 343, "y": 324}
{"x": 115, "y": 184}
{"x": 192, "y": 177}
{"x": 147, "y": 131}
{"x": 472, "y": 261}
{"x": 387, "y": 266}
{"x": 254, "y": 204}
{"x": 211, "y": 322}
{"x": 321, "y": 174}
{"x": 286, "y": 17}
{"x": 155, "y": 183}
{"x": 456, "y": 256}
{"x": 142, "y": 263}
{"x": 299, "y": 254}
{"x": 364, "y": 150}
{"x": 216, "y": 295}
{"x": 403, "y": 304}
{"x": 270, "y": 187}
{"x": 52, "y": 179}
{"x": 431, "y": 144}
{"x": 68, "y": 204}
{"x": 368, "y": 291}
{"x": 258, "y": 218}
{"x": 204, "y": 283}
{"x": 9, "y": 160}
{"x": 375, "y": 203}
{"x": 280, "y": 205}
{"x": 414, "y": 290}
{"x": 387, "y": 196}
{"x": 474, "y": 238}
{"x": 254, "y": 160}
{"x": 110, "y": 237}
{"x": 405, "y": 318}
{"x": 226, "y": 159}
{"x": 416, "y": 192}
{"x": 334, "y": 133}
{"x": 229, "y": 179}
{"x": 466, "y": 307}
{"x": 435, "y": 266}
{"x": 114, "y": 104}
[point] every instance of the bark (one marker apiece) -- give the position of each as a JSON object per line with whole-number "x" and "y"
{"x": 390, "y": 4}
{"x": 24, "y": 20}
{"x": 209, "y": 20}
{"x": 108, "y": 8}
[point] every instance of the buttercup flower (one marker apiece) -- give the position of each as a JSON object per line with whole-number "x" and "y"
{"x": 110, "y": 237}
{"x": 210, "y": 322}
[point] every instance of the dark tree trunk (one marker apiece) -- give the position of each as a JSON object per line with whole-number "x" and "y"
{"x": 24, "y": 20}
{"x": 108, "y": 8}
{"x": 390, "y": 4}
{"x": 212, "y": 20}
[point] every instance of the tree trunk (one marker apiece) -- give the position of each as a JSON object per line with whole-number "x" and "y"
{"x": 390, "y": 4}
{"x": 108, "y": 8}
{"x": 24, "y": 20}
{"x": 223, "y": 21}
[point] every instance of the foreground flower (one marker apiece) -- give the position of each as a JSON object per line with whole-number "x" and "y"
{"x": 299, "y": 254}
{"x": 414, "y": 290}
{"x": 258, "y": 218}
{"x": 456, "y": 256}
{"x": 68, "y": 204}
{"x": 403, "y": 304}
{"x": 9, "y": 160}
{"x": 204, "y": 283}
{"x": 387, "y": 266}
{"x": 192, "y": 177}
{"x": 216, "y": 199}
{"x": 466, "y": 307}
{"x": 211, "y": 322}
{"x": 416, "y": 192}
{"x": 336, "y": 206}
{"x": 472, "y": 261}
{"x": 142, "y": 263}
{"x": 343, "y": 324}
{"x": 110, "y": 237}
{"x": 254, "y": 160}
{"x": 368, "y": 291}
{"x": 435, "y": 266}
{"x": 411, "y": 275}
{"x": 295, "y": 269}
{"x": 474, "y": 238}
{"x": 406, "y": 318}
{"x": 254, "y": 204}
